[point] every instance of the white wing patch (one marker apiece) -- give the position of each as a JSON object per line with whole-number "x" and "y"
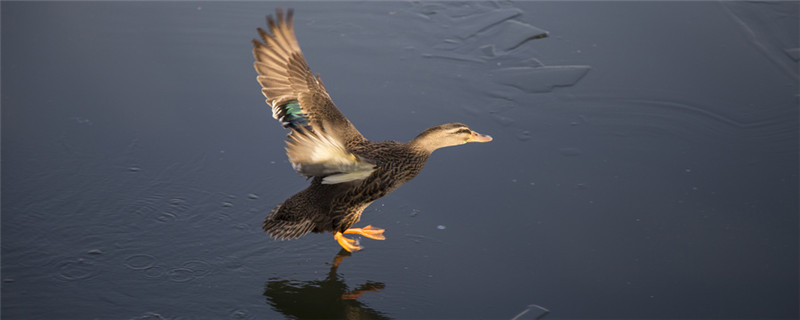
{"x": 345, "y": 177}
{"x": 318, "y": 154}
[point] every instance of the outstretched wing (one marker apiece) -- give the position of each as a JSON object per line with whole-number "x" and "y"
{"x": 300, "y": 102}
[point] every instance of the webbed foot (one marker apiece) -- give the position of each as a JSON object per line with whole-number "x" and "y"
{"x": 348, "y": 244}
{"x": 368, "y": 231}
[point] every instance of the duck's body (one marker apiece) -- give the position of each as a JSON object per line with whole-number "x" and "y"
{"x": 336, "y": 207}
{"x": 349, "y": 172}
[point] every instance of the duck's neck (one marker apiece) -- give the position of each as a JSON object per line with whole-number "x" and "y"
{"x": 422, "y": 145}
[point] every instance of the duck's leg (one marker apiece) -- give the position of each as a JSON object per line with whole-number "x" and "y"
{"x": 348, "y": 244}
{"x": 368, "y": 231}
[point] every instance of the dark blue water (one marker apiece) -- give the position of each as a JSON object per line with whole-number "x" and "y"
{"x": 644, "y": 162}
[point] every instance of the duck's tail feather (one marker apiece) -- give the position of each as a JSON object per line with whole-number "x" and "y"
{"x": 282, "y": 225}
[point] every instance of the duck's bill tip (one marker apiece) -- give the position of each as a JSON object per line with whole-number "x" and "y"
{"x": 477, "y": 137}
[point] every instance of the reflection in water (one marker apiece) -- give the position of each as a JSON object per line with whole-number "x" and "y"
{"x": 322, "y": 299}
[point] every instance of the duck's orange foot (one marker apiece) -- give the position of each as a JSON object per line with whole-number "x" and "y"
{"x": 368, "y": 231}
{"x": 352, "y": 245}
{"x": 348, "y": 244}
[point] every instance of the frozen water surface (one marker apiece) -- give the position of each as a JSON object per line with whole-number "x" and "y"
{"x": 644, "y": 162}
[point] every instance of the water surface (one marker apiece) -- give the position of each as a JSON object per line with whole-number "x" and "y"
{"x": 644, "y": 162}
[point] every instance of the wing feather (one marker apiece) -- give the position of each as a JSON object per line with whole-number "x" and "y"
{"x": 284, "y": 76}
{"x": 320, "y": 132}
{"x": 313, "y": 153}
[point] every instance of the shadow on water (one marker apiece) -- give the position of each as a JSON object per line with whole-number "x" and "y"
{"x": 329, "y": 298}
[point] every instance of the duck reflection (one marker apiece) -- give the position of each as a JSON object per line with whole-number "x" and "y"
{"x": 322, "y": 299}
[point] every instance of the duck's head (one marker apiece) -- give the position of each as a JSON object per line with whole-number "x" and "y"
{"x": 445, "y": 135}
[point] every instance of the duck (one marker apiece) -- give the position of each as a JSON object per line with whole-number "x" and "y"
{"x": 347, "y": 171}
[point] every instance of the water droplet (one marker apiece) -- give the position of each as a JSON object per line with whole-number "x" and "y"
{"x": 441, "y": 227}
{"x": 134, "y": 169}
{"x": 252, "y": 196}
{"x": 525, "y": 135}
{"x": 227, "y": 204}
{"x": 95, "y": 251}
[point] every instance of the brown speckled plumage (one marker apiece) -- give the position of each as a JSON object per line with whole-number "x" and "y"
{"x": 369, "y": 170}
{"x": 336, "y": 207}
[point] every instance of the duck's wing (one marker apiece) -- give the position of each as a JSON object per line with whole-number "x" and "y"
{"x": 320, "y": 131}
{"x": 316, "y": 154}
{"x": 297, "y": 97}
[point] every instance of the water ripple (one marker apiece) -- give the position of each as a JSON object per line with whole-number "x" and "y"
{"x": 76, "y": 269}
{"x": 180, "y": 275}
{"x": 140, "y": 261}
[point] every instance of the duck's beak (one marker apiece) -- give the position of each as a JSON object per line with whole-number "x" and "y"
{"x": 477, "y": 137}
